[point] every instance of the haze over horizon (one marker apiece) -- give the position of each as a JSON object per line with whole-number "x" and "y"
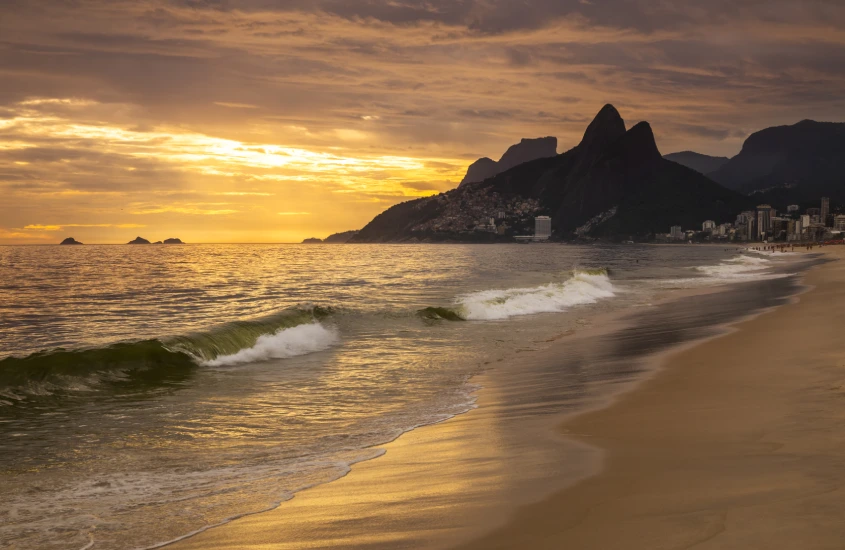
{"x": 263, "y": 121}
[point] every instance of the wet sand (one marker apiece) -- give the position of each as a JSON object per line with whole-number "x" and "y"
{"x": 735, "y": 442}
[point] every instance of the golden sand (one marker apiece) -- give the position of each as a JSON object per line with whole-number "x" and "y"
{"x": 738, "y": 443}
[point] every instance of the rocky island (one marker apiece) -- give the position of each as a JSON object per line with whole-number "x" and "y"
{"x": 139, "y": 240}
{"x": 70, "y": 240}
{"x": 173, "y": 241}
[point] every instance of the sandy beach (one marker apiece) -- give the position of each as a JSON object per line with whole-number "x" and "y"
{"x": 733, "y": 442}
{"x": 737, "y": 443}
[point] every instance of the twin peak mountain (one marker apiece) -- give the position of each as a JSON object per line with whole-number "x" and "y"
{"x": 613, "y": 183}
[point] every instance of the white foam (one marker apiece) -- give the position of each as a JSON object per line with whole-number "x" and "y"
{"x": 582, "y": 288}
{"x": 739, "y": 267}
{"x": 288, "y": 342}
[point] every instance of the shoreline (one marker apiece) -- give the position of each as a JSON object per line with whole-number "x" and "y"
{"x": 389, "y": 491}
{"x": 732, "y": 443}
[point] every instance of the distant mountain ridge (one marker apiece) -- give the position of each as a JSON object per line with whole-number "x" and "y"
{"x": 334, "y": 238}
{"x": 703, "y": 164}
{"x": 614, "y": 182}
{"x": 794, "y": 163}
{"x": 524, "y": 151}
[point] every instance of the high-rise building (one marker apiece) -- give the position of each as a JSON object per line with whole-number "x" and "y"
{"x": 839, "y": 222}
{"x": 792, "y": 208}
{"x": 825, "y": 212}
{"x": 780, "y": 228}
{"x": 542, "y": 228}
{"x": 764, "y": 220}
{"x": 708, "y": 225}
{"x": 676, "y": 232}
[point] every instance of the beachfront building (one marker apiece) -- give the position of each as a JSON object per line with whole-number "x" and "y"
{"x": 542, "y": 228}
{"x": 780, "y": 228}
{"x": 676, "y": 233}
{"x": 708, "y": 226}
{"x": 839, "y": 222}
{"x": 825, "y": 210}
{"x": 764, "y": 221}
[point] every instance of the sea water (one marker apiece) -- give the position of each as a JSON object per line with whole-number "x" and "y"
{"x": 147, "y": 393}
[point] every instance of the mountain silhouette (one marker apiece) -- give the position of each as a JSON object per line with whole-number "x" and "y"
{"x": 613, "y": 183}
{"x": 796, "y": 163}
{"x": 703, "y": 164}
{"x": 524, "y": 151}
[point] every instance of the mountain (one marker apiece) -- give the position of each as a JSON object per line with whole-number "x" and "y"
{"x": 703, "y": 164}
{"x": 524, "y": 151}
{"x": 334, "y": 238}
{"x": 70, "y": 240}
{"x": 340, "y": 238}
{"x": 795, "y": 163}
{"x": 139, "y": 240}
{"x": 614, "y": 183}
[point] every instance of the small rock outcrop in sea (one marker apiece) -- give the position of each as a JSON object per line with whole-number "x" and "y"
{"x": 139, "y": 240}
{"x": 70, "y": 240}
{"x": 173, "y": 241}
{"x": 312, "y": 240}
{"x": 158, "y": 242}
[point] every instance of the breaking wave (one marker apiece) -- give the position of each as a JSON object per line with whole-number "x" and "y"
{"x": 584, "y": 287}
{"x": 136, "y": 365}
{"x": 289, "y": 342}
{"x": 738, "y": 267}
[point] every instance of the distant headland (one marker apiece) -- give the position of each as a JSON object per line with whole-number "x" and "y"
{"x": 335, "y": 238}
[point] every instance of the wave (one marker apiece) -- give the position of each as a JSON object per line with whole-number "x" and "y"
{"x": 289, "y": 342}
{"x": 584, "y": 287}
{"x": 738, "y": 267}
{"x": 141, "y": 364}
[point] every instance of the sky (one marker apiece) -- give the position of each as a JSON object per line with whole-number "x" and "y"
{"x": 273, "y": 121}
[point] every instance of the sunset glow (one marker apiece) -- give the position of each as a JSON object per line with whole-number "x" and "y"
{"x": 205, "y": 121}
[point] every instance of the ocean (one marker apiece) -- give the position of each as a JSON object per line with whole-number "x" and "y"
{"x": 150, "y": 392}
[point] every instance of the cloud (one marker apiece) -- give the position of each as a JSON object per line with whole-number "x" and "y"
{"x": 236, "y": 105}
